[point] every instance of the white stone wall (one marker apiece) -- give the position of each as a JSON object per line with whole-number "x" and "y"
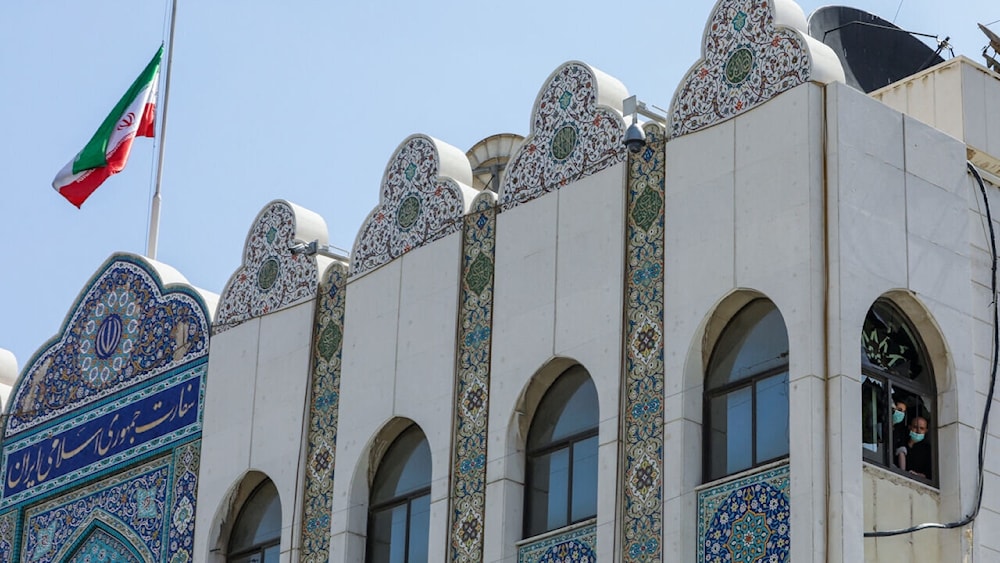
{"x": 558, "y": 294}
{"x": 901, "y": 229}
{"x": 398, "y": 363}
{"x": 822, "y": 200}
{"x": 744, "y": 216}
{"x": 255, "y": 403}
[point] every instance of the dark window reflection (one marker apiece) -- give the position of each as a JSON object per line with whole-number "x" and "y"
{"x": 561, "y": 471}
{"x": 746, "y": 392}
{"x": 399, "y": 517}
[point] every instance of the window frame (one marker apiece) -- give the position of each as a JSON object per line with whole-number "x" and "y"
{"x": 257, "y": 548}
{"x": 567, "y": 443}
{"x": 752, "y": 381}
{"x": 406, "y": 499}
{"x": 925, "y": 390}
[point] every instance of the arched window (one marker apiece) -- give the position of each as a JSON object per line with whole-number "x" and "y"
{"x": 561, "y": 473}
{"x": 897, "y": 395}
{"x": 256, "y": 535}
{"x": 746, "y": 392}
{"x": 399, "y": 517}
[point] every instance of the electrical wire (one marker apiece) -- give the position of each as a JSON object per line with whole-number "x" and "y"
{"x": 983, "y": 432}
{"x": 897, "y": 11}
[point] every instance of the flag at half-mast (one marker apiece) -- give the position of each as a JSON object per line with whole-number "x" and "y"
{"x": 108, "y": 150}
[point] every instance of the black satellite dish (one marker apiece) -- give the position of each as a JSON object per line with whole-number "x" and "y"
{"x": 874, "y": 52}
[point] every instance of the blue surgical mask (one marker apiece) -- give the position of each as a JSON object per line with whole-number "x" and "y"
{"x": 897, "y": 416}
{"x": 916, "y": 437}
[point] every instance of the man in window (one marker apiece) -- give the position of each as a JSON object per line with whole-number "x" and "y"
{"x": 915, "y": 454}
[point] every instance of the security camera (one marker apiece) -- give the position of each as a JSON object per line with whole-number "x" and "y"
{"x": 635, "y": 138}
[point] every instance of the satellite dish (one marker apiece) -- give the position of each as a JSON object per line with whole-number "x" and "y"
{"x": 874, "y": 52}
{"x": 991, "y": 61}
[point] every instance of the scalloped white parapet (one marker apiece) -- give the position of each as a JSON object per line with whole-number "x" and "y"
{"x": 576, "y": 130}
{"x": 273, "y": 277}
{"x": 8, "y": 373}
{"x": 8, "y": 368}
{"x": 425, "y": 192}
{"x": 752, "y": 50}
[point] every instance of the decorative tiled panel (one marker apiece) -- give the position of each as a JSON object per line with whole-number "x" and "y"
{"x": 574, "y": 133}
{"x": 575, "y": 546}
{"x": 746, "y": 519}
{"x": 8, "y": 530}
{"x": 751, "y": 52}
{"x": 642, "y": 411}
{"x": 183, "y": 499}
{"x": 425, "y": 192}
{"x": 324, "y": 408}
{"x": 468, "y": 486}
{"x": 100, "y": 439}
{"x": 101, "y": 545}
{"x": 272, "y": 276}
{"x": 133, "y": 504}
{"x": 125, "y": 328}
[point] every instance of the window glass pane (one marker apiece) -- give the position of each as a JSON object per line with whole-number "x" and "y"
{"x": 272, "y": 554}
{"x": 873, "y": 435}
{"x": 420, "y": 529}
{"x": 568, "y": 408}
{"x": 252, "y": 558}
{"x": 548, "y": 479}
{"x": 584, "y": 479}
{"x": 387, "y": 536}
{"x": 406, "y": 467}
{"x": 755, "y": 341}
{"x": 732, "y": 432}
{"x": 558, "y": 489}
{"x": 259, "y": 520}
{"x": 772, "y": 417}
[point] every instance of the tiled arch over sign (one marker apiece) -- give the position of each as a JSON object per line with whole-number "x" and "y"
{"x": 104, "y": 426}
{"x": 425, "y": 192}
{"x": 752, "y": 50}
{"x": 576, "y": 130}
{"x": 124, "y": 329}
{"x": 272, "y": 276}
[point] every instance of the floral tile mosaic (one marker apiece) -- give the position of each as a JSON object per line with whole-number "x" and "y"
{"x": 574, "y": 133}
{"x": 324, "y": 409}
{"x": 746, "y": 520}
{"x": 271, "y": 276}
{"x": 751, "y": 53}
{"x": 425, "y": 192}
{"x": 468, "y": 484}
{"x": 642, "y": 412}
{"x": 8, "y": 531}
{"x": 111, "y": 474}
{"x": 578, "y": 545}
{"x": 134, "y": 504}
{"x": 124, "y": 329}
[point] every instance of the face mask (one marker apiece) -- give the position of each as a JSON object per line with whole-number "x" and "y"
{"x": 898, "y": 416}
{"x": 916, "y": 437}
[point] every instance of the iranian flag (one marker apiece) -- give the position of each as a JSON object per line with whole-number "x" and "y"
{"x": 108, "y": 150}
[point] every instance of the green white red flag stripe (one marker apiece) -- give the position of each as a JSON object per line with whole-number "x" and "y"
{"x": 108, "y": 150}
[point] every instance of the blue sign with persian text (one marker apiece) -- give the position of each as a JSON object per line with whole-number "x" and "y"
{"x": 158, "y": 417}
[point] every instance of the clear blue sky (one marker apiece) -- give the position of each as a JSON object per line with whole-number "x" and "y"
{"x": 304, "y": 101}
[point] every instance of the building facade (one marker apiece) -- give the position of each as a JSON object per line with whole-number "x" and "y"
{"x": 761, "y": 334}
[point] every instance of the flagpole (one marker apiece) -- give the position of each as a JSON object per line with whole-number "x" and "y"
{"x": 154, "y": 210}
